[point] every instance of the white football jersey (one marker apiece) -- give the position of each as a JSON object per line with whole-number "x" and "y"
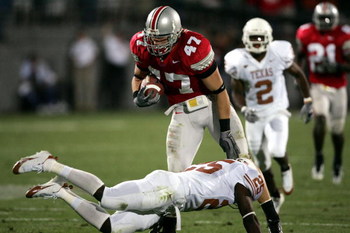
{"x": 211, "y": 185}
{"x": 265, "y": 83}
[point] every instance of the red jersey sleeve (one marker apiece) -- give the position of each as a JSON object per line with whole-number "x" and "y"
{"x": 139, "y": 51}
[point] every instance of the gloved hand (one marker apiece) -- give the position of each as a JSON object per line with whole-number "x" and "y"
{"x": 249, "y": 114}
{"x": 306, "y": 112}
{"x": 142, "y": 100}
{"x": 229, "y": 145}
{"x": 327, "y": 67}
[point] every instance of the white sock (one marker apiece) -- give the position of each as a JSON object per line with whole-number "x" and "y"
{"x": 84, "y": 180}
{"x": 91, "y": 212}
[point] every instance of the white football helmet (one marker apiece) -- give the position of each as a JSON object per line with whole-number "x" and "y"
{"x": 325, "y": 16}
{"x": 257, "y": 34}
{"x": 162, "y": 24}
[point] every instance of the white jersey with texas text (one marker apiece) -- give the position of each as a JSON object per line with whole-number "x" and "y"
{"x": 264, "y": 81}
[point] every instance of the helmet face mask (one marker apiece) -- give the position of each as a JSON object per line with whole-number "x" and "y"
{"x": 162, "y": 30}
{"x": 257, "y": 35}
{"x": 325, "y": 16}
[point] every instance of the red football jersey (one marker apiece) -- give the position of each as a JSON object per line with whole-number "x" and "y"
{"x": 324, "y": 45}
{"x": 180, "y": 71}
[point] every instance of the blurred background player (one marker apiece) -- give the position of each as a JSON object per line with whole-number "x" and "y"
{"x": 141, "y": 203}
{"x": 259, "y": 90}
{"x": 325, "y": 46}
{"x": 184, "y": 63}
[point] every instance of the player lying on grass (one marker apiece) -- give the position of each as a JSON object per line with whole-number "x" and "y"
{"x": 140, "y": 204}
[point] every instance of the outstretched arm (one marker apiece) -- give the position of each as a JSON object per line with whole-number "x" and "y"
{"x": 244, "y": 202}
{"x": 215, "y": 84}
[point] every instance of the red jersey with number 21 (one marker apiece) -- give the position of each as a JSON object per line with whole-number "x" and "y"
{"x": 320, "y": 45}
{"x": 180, "y": 71}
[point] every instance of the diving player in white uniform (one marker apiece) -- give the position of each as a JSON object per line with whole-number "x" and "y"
{"x": 259, "y": 90}
{"x": 142, "y": 203}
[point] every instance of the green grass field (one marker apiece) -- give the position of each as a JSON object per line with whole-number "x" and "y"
{"x": 128, "y": 145}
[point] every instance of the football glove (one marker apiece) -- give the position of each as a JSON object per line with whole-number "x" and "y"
{"x": 229, "y": 145}
{"x": 306, "y": 112}
{"x": 327, "y": 67}
{"x": 142, "y": 100}
{"x": 164, "y": 225}
{"x": 249, "y": 114}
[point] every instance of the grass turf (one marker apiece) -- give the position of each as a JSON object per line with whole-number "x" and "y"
{"x": 128, "y": 145}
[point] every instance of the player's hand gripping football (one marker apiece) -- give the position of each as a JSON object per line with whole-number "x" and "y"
{"x": 229, "y": 145}
{"x": 306, "y": 112}
{"x": 143, "y": 100}
{"x": 249, "y": 114}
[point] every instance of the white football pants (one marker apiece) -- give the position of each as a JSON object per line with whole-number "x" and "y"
{"x": 186, "y": 131}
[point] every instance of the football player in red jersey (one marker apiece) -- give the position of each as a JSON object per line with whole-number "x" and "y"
{"x": 325, "y": 46}
{"x": 184, "y": 63}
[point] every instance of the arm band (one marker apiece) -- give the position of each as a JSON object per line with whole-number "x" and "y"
{"x": 224, "y": 124}
{"x": 219, "y": 90}
{"x": 250, "y": 213}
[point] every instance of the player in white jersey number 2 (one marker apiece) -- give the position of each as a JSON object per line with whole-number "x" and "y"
{"x": 259, "y": 90}
{"x": 140, "y": 204}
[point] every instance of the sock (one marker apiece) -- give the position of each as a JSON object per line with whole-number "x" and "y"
{"x": 84, "y": 180}
{"x": 91, "y": 212}
{"x": 270, "y": 212}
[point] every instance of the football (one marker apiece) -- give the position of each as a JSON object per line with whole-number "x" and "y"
{"x": 153, "y": 86}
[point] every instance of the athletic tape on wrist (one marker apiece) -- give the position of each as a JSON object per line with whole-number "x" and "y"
{"x": 250, "y": 213}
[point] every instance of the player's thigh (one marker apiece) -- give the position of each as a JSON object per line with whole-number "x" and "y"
{"x": 255, "y": 134}
{"x": 320, "y": 100}
{"x": 276, "y": 134}
{"x": 129, "y": 222}
{"x": 185, "y": 134}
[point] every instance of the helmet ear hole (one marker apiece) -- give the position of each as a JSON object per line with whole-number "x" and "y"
{"x": 162, "y": 21}
{"x": 257, "y": 35}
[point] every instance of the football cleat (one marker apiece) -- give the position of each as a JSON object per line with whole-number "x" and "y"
{"x": 317, "y": 174}
{"x": 32, "y": 163}
{"x": 287, "y": 181}
{"x": 278, "y": 202}
{"x": 337, "y": 178}
{"x": 48, "y": 190}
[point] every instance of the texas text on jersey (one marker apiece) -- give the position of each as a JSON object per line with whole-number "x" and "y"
{"x": 180, "y": 71}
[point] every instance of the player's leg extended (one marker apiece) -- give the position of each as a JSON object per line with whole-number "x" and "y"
{"x": 337, "y": 122}
{"x": 91, "y": 212}
{"x": 185, "y": 134}
{"x": 44, "y": 161}
{"x": 321, "y": 105}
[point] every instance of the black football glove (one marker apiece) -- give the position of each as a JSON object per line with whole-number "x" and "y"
{"x": 249, "y": 114}
{"x": 327, "y": 67}
{"x": 306, "y": 112}
{"x": 142, "y": 100}
{"x": 164, "y": 225}
{"x": 229, "y": 145}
